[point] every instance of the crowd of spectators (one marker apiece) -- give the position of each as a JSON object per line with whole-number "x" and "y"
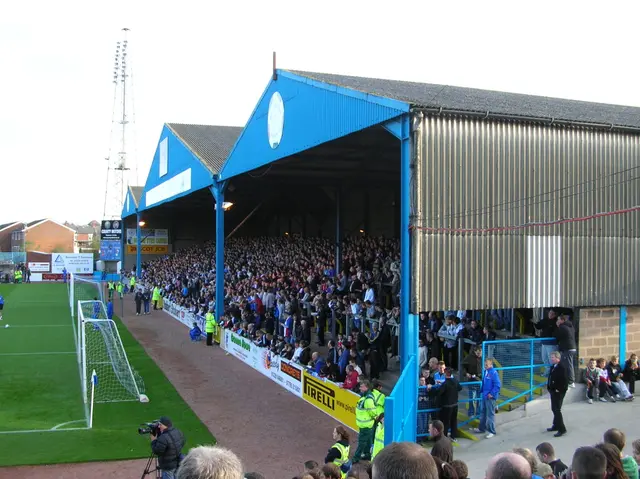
{"x": 605, "y": 460}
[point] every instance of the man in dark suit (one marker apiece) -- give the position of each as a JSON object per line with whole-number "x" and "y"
{"x": 557, "y": 384}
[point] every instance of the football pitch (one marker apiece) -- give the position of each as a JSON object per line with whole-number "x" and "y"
{"x": 42, "y": 412}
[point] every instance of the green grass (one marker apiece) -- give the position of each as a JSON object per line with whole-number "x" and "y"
{"x": 40, "y": 391}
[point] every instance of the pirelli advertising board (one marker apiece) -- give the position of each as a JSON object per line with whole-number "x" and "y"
{"x": 338, "y": 403}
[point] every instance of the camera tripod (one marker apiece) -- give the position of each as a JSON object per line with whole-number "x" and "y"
{"x": 147, "y": 470}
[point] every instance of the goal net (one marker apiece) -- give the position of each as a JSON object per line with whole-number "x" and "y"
{"x": 102, "y": 351}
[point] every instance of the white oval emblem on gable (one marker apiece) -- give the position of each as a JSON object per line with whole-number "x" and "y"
{"x": 275, "y": 120}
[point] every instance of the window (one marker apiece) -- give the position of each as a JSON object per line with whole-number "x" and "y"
{"x": 163, "y": 163}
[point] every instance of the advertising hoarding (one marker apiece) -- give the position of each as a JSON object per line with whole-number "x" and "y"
{"x": 76, "y": 263}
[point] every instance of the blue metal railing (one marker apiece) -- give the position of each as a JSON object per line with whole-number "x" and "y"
{"x": 13, "y": 257}
{"x": 469, "y": 402}
{"x": 399, "y": 407}
{"x": 521, "y": 364}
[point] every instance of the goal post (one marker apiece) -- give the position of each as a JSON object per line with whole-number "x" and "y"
{"x": 105, "y": 367}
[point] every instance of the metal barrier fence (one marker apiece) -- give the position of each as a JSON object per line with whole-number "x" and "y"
{"x": 469, "y": 402}
{"x": 15, "y": 257}
{"x": 398, "y": 407}
{"x": 522, "y": 365}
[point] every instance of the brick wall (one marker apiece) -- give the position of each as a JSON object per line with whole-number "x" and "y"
{"x": 50, "y": 236}
{"x": 633, "y": 330}
{"x": 599, "y": 334}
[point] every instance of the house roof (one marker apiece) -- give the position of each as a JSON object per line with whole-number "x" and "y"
{"x": 33, "y": 224}
{"x": 209, "y": 143}
{"x": 471, "y": 100}
{"x": 7, "y": 225}
{"x": 84, "y": 229}
{"x": 136, "y": 193}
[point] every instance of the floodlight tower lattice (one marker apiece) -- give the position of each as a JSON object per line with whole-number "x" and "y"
{"x": 122, "y": 167}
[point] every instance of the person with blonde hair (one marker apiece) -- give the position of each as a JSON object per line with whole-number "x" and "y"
{"x": 210, "y": 462}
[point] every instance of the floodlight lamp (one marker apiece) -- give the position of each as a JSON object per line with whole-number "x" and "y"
{"x": 286, "y": 233}
{"x": 142, "y": 223}
{"x": 362, "y": 231}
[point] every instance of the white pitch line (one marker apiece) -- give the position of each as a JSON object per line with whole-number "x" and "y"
{"x": 31, "y": 431}
{"x": 12, "y": 326}
{"x": 55, "y": 428}
{"x": 37, "y": 353}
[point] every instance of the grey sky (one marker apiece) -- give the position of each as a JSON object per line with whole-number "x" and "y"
{"x": 208, "y": 62}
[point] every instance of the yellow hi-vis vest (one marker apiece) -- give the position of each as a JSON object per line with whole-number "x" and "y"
{"x": 132, "y": 281}
{"x": 344, "y": 456}
{"x": 378, "y": 440}
{"x": 365, "y": 411}
{"x": 210, "y": 323}
{"x": 119, "y": 287}
{"x": 156, "y": 294}
{"x": 111, "y": 285}
{"x": 378, "y": 398}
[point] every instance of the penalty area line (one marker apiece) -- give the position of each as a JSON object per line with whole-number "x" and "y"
{"x": 13, "y": 326}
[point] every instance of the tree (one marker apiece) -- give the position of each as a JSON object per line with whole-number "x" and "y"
{"x": 58, "y": 249}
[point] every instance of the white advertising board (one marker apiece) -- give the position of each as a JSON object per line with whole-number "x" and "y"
{"x": 76, "y": 263}
{"x": 285, "y": 373}
{"x": 39, "y": 267}
{"x": 241, "y": 348}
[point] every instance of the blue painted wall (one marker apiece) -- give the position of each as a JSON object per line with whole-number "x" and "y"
{"x": 180, "y": 159}
{"x": 314, "y": 113}
{"x": 131, "y": 210}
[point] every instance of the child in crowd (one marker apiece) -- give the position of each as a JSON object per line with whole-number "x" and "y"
{"x": 592, "y": 378}
{"x": 340, "y": 341}
{"x": 195, "y": 333}
{"x": 606, "y": 387}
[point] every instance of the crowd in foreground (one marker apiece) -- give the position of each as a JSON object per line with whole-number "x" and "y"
{"x": 403, "y": 460}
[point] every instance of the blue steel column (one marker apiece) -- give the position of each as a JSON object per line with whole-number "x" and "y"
{"x": 138, "y": 247}
{"x": 338, "y": 231}
{"x": 408, "y": 323}
{"x": 218, "y": 194}
{"x": 123, "y": 243}
{"x": 623, "y": 333}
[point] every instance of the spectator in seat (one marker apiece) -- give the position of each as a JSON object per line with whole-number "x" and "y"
{"x": 588, "y": 463}
{"x": 404, "y": 459}
{"x": 442, "y": 447}
{"x": 617, "y": 438}
{"x": 631, "y": 372}
{"x": 462, "y": 471}
{"x": 445, "y": 470}
{"x": 351, "y": 381}
{"x": 210, "y": 462}
{"x": 615, "y": 375}
{"x": 615, "y": 470}
{"x": 547, "y": 455}
{"x": 508, "y": 465}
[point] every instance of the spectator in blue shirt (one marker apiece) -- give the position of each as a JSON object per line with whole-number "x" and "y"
{"x": 195, "y": 333}
{"x": 110, "y": 310}
{"x": 490, "y": 390}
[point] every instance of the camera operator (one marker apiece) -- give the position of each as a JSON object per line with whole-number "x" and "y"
{"x": 167, "y": 445}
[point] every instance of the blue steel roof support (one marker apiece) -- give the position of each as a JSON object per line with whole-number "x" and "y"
{"x": 217, "y": 190}
{"x": 408, "y": 322}
{"x": 307, "y": 113}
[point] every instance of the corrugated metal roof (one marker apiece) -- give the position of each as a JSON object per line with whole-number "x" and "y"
{"x": 136, "y": 192}
{"x": 482, "y": 101}
{"x": 210, "y": 143}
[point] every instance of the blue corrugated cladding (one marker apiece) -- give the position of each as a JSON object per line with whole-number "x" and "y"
{"x": 180, "y": 160}
{"x": 314, "y": 113}
{"x": 129, "y": 207}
